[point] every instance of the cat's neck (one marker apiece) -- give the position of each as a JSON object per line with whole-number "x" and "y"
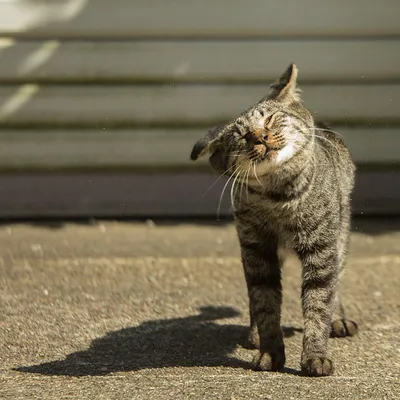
{"x": 288, "y": 181}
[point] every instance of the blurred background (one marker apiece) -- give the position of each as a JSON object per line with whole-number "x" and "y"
{"x": 101, "y": 101}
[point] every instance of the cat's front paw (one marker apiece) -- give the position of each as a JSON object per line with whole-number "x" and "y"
{"x": 343, "y": 327}
{"x": 317, "y": 366}
{"x": 269, "y": 361}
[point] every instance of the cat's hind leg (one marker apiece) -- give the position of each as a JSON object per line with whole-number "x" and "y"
{"x": 320, "y": 277}
{"x": 341, "y": 326}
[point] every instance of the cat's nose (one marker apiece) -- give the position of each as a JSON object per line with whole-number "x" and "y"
{"x": 254, "y": 138}
{"x": 259, "y": 135}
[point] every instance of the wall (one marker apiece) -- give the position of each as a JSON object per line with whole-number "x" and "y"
{"x": 90, "y": 88}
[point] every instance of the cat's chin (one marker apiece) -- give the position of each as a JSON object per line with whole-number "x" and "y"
{"x": 273, "y": 159}
{"x": 271, "y": 156}
{"x": 269, "y": 163}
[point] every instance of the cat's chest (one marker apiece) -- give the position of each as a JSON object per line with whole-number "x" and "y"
{"x": 265, "y": 210}
{"x": 288, "y": 221}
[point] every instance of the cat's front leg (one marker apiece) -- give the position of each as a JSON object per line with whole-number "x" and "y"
{"x": 319, "y": 282}
{"x": 263, "y": 276}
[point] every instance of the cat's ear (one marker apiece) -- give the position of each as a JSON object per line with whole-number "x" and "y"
{"x": 285, "y": 89}
{"x": 203, "y": 145}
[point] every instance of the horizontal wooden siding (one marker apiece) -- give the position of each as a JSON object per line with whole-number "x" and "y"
{"x": 100, "y": 85}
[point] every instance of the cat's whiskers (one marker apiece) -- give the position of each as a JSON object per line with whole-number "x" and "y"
{"x": 218, "y": 179}
{"x": 313, "y": 134}
{"x": 223, "y": 190}
{"x": 292, "y": 141}
{"x": 311, "y": 131}
{"x": 242, "y": 185}
{"x": 334, "y": 145}
{"x": 325, "y": 150}
{"x": 255, "y": 174}
{"x": 247, "y": 184}
{"x": 233, "y": 189}
{"x": 327, "y": 130}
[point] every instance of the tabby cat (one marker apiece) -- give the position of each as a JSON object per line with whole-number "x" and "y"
{"x": 292, "y": 179}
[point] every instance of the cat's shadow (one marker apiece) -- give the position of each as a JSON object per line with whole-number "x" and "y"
{"x": 180, "y": 342}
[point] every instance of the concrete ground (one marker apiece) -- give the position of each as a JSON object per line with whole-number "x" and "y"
{"x": 121, "y": 310}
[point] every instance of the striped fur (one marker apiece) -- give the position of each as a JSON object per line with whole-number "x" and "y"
{"x": 292, "y": 179}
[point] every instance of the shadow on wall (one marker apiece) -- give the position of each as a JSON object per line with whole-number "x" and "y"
{"x": 181, "y": 342}
{"x": 21, "y": 16}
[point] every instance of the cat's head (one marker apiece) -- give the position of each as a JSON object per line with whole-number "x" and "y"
{"x": 264, "y": 137}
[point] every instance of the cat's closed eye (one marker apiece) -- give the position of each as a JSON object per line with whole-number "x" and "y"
{"x": 273, "y": 119}
{"x": 268, "y": 123}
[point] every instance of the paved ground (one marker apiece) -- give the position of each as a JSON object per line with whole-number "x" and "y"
{"x": 136, "y": 311}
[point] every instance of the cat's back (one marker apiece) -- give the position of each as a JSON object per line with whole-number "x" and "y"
{"x": 335, "y": 157}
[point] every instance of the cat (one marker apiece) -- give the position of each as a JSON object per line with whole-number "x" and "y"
{"x": 292, "y": 180}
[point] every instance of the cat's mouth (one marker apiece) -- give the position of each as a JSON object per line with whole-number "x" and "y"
{"x": 263, "y": 151}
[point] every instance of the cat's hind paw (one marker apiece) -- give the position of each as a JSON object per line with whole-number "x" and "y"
{"x": 317, "y": 366}
{"x": 273, "y": 361}
{"x": 343, "y": 328}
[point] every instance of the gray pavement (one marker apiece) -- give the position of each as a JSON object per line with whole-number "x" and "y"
{"x": 121, "y": 310}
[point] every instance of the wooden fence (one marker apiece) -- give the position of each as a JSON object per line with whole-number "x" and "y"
{"x": 99, "y": 86}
